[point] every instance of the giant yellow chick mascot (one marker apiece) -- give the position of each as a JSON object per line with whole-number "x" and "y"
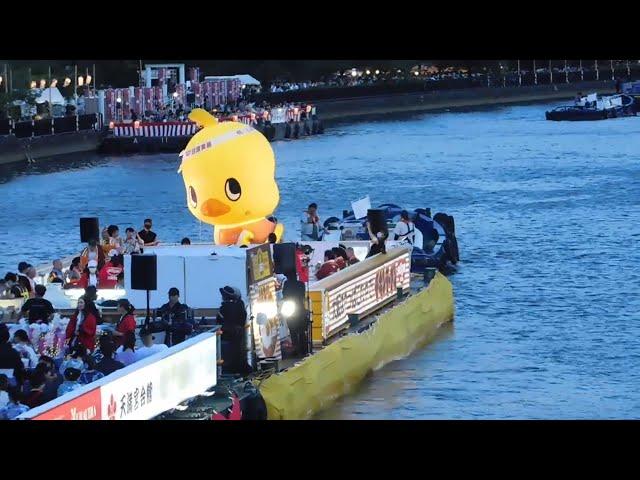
{"x": 228, "y": 170}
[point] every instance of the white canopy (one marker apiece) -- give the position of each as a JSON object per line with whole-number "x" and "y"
{"x": 51, "y": 94}
{"x": 245, "y": 79}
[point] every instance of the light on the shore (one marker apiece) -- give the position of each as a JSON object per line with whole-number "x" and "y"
{"x": 33, "y": 84}
{"x": 354, "y": 73}
{"x": 368, "y": 72}
{"x": 416, "y": 73}
{"x": 136, "y": 124}
{"x": 175, "y": 94}
{"x": 80, "y": 81}
{"x": 111, "y": 125}
{"x": 88, "y": 81}
{"x": 377, "y": 72}
{"x": 67, "y": 82}
{"x": 119, "y": 100}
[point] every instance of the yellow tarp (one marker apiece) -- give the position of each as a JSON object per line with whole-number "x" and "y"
{"x": 319, "y": 380}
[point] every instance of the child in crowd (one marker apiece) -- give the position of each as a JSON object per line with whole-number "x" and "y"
{"x": 13, "y": 408}
{"x": 71, "y": 376}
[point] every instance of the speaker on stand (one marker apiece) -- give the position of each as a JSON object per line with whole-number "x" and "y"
{"x": 144, "y": 276}
{"x": 89, "y": 229}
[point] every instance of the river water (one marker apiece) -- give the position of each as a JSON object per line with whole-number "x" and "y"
{"x": 548, "y": 223}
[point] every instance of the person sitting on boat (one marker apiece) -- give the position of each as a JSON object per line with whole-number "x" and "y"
{"x": 302, "y": 262}
{"x": 311, "y": 223}
{"x": 108, "y": 276}
{"x": 73, "y": 274}
{"x": 405, "y": 230}
{"x": 90, "y": 275}
{"x": 115, "y": 242}
{"x": 329, "y": 266}
{"x": 351, "y": 256}
{"x": 13, "y": 288}
{"x": 341, "y": 257}
{"x": 92, "y": 252}
{"x": 377, "y": 242}
{"x": 56, "y": 275}
{"x": 133, "y": 243}
{"x": 23, "y": 279}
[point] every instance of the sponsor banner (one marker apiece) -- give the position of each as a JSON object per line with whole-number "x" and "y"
{"x": 84, "y": 407}
{"x": 161, "y": 385}
{"x": 142, "y": 390}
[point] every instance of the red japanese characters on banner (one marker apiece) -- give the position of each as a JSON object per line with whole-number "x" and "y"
{"x": 84, "y": 407}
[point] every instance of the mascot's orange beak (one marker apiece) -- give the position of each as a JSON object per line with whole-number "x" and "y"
{"x": 214, "y": 208}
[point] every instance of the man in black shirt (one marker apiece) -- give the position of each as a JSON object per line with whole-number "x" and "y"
{"x": 176, "y": 315}
{"x": 40, "y": 309}
{"x": 147, "y": 236}
{"x": 107, "y": 365}
{"x": 294, "y": 293}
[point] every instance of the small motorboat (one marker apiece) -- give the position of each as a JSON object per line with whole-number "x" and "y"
{"x": 593, "y": 107}
{"x": 435, "y": 244}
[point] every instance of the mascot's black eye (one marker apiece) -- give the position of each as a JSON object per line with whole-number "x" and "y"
{"x": 232, "y": 189}
{"x": 192, "y": 196}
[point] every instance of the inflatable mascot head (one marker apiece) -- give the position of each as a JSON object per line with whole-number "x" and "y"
{"x": 228, "y": 170}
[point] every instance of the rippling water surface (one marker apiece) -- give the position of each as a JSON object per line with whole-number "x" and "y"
{"x": 548, "y": 221}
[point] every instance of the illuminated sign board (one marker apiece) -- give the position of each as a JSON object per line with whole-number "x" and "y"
{"x": 259, "y": 264}
{"x": 142, "y": 390}
{"x": 360, "y": 289}
{"x": 265, "y": 319}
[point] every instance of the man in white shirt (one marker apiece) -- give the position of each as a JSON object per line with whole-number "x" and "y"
{"x": 405, "y": 229}
{"x": 149, "y": 347}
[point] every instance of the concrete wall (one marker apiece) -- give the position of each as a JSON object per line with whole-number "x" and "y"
{"x": 17, "y": 150}
{"x": 423, "y": 101}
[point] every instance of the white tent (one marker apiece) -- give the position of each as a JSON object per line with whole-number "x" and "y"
{"x": 245, "y": 79}
{"x": 51, "y": 94}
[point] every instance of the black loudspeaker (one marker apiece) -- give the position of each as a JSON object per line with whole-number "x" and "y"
{"x": 89, "y": 229}
{"x": 284, "y": 258}
{"x": 144, "y": 272}
{"x": 377, "y": 221}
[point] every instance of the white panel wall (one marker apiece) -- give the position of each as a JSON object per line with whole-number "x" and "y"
{"x": 170, "y": 274}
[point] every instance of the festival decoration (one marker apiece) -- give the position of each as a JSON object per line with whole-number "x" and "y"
{"x": 229, "y": 175}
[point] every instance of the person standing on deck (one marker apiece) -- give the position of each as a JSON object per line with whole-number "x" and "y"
{"x": 148, "y": 237}
{"x": 311, "y": 223}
